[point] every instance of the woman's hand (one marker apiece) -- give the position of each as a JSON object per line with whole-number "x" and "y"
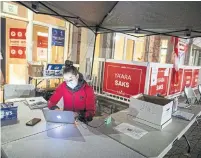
{"x": 56, "y": 108}
{"x": 76, "y": 114}
{"x": 59, "y": 109}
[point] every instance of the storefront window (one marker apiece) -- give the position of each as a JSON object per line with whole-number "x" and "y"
{"x": 124, "y": 47}
{"x": 97, "y": 54}
{"x": 16, "y": 67}
{"x": 163, "y": 51}
{"x": 40, "y": 43}
{"x": 139, "y": 49}
{"x": 129, "y": 49}
{"x": 119, "y": 47}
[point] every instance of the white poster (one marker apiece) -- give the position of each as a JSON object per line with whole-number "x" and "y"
{"x": 154, "y": 75}
{"x": 130, "y": 130}
{"x": 42, "y": 53}
{"x": 166, "y": 73}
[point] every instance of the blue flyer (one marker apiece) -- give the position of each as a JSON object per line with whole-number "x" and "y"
{"x": 58, "y": 37}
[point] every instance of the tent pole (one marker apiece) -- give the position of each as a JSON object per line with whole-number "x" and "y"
{"x": 92, "y": 62}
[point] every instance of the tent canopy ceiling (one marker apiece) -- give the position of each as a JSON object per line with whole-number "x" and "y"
{"x": 126, "y": 16}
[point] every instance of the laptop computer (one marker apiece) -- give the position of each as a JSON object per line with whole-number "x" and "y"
{"x": 57, "y": 116}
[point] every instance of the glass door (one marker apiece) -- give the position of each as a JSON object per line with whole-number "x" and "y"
{"x": 16, "y": 67}
{"x": 129, "y": 49}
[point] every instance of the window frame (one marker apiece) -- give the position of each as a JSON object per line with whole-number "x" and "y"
{"x": 126, "y": 37}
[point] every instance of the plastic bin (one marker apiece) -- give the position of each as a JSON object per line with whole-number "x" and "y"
{"x": 8, "y": 111}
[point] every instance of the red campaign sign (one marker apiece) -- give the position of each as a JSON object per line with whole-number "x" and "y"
{"x": 195, "y": 78}
{"x": 42, "y": 42}
{"x": 17, "y": 52}
{"x": 124, "y": 79}
{"x": 162, "y": 82}
{"x": 17, "y": 33}
{"x": 187, "y": 78}
{"x": 176, "y": 88}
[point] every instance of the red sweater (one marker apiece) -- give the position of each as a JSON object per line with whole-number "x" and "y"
{"x": 76, "y": 101}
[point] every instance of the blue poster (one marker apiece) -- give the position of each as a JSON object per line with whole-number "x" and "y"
{"x": 58, "y": 37}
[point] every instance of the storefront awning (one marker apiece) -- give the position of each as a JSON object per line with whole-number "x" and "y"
{"x": 174, "y": 18}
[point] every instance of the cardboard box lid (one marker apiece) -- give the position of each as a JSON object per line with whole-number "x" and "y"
{"x": 153, "y": 99}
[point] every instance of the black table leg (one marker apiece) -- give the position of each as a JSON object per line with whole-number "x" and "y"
{"x": 188, "y": 143}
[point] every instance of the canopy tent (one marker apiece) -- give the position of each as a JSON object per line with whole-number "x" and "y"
{"x": 150, "y": 18}
{"x": 173, "y": 18}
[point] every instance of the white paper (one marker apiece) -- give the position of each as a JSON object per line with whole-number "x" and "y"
{"x": 42, "y": 53}
{"x": 154, "y": 70}
{"x": 35, "y": 100}
{"x": 166, "y": 73}
{"x": 154, "y": 75}
{"x": 130, "y": 130}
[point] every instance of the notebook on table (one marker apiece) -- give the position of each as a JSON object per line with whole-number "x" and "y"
{"x": 183, "y": 115}
{"x": 36, "y": 102}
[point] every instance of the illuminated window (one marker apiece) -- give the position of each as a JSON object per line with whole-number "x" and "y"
{"x": 40, "y": 43}
{"x": 129, "y": 48}
{"x": 119, "y": 47}
{"x": 163, "y": 51}
{"x": 16, "y": 67}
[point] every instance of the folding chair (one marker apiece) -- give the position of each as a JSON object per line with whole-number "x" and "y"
{"x": 16, "y": 91}
{"x": 190, "y": 95}
{"x": 199, "y": 91}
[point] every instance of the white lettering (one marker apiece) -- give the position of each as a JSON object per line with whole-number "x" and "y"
{"x": 122, "y": 84}
{"x": 159, "y": 87}
{"x": 161, "y": 80}
{"x": 7, "y": 113}
{"x": 123, "y": 76}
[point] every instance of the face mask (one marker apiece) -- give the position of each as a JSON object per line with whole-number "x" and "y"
{"x": 72, "y": 84}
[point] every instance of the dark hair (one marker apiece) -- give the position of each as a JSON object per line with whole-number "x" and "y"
{"x": 70, "y": 68}
{"x": 68, "y": 63}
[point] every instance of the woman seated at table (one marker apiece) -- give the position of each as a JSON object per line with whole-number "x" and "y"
{"x": 77, "y": 95}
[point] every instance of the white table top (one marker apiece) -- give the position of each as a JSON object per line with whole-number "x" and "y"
{"x": 17, "y": 131}
{"x": 56, "y": 140}
{"x": 156, "y": 143}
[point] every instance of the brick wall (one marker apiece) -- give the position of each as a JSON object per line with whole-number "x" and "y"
{"x": 154, "y": 48}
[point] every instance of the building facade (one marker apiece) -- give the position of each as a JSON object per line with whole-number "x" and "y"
{"x": 40, "y": 44}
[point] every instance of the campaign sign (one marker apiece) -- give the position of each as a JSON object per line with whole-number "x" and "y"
{"x": 124, "y": 79}
{"x": 160, "y": 86}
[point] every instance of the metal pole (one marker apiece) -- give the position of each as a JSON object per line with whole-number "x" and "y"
{"x": 147, "y": 48}
{"x": 92, "y": 62}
